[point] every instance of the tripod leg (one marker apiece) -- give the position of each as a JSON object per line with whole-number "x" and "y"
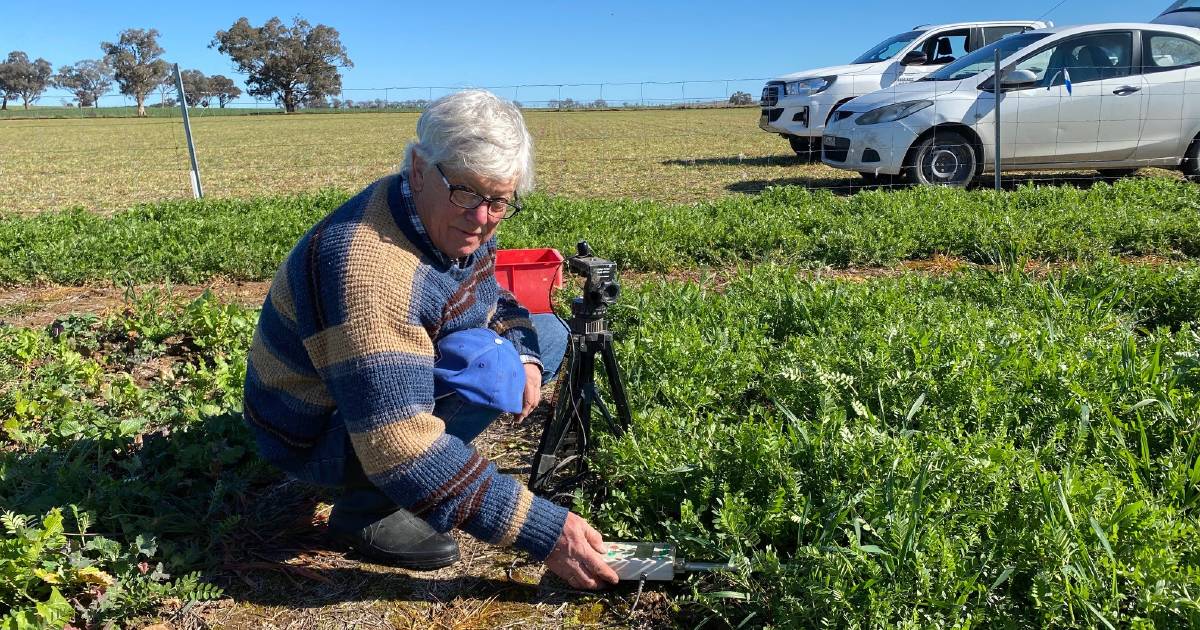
{"x": 558, "y": 428}
{"x": 587, "y": 395}
{"x": 616, "y": 385}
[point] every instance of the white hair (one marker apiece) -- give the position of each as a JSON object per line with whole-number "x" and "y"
{"x": 475, "y": 132}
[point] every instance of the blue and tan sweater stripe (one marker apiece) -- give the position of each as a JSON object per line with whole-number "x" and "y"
{"x": 350, "y": 324}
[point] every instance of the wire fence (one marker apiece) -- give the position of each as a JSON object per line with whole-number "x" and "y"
{"x": 627, "y": 94}
{"x": 1094, "y": 127}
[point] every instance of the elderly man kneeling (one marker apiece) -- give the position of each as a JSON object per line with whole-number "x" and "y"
{"x": 385, "y": 346}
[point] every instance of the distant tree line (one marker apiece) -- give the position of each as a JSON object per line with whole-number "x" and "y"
{"x": 296, "y": 66}
{"x": 21, "y": 78}
{"x": 375, "y": 103}
{"x": 203, "y": 90}
{"x": 569, "y": 103}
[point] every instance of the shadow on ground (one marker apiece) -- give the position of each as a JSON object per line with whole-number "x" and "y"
{"x": 852, "y": 184}
{"x": 760, "y": 161}
{"x": 214, "y": 507}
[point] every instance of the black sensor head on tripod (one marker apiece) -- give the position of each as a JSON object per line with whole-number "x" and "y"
{"x": 600, "y": 289}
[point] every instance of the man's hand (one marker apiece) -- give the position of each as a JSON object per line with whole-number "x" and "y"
{"x": 533, "y": 389}
{"x": 578, "y": 557}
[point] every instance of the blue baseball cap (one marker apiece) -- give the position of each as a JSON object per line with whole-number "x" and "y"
{"x": 482, "y": 367}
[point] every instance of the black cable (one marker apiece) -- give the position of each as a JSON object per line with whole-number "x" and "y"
{"x": 1061, "y": 2}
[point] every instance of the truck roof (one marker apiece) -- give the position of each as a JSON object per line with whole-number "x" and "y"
{"x": 1037, "y": 23}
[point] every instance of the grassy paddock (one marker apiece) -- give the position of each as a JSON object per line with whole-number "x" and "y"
{"x": 193, "y": 241}
{"x": 112, "y": 163}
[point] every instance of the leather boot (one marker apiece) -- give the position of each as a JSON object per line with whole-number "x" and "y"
{"x": 367, "y": 521}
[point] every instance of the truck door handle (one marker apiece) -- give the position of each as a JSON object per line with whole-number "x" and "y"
{"x": 1126, "y": 90}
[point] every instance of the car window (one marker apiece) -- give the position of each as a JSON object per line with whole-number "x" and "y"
{"x": 994, "y": 33}
{"x": 888, "y": 48}
{"x": 1094, "y": 57}
{"x": 1039, "y": 65}
{"x": 985, "y": 58}
{"x": 1183, "y": 4}
{"x": 944, "y": 48}
{"x": 1164, "y": 51}
{"x": 1081, "y": 59}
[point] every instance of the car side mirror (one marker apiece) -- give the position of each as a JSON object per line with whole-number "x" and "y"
{"x": 914, "y": 58}
{"x": 1017, "y": 79}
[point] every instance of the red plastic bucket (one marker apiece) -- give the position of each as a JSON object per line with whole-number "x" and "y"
{"x": 530, "y": 274}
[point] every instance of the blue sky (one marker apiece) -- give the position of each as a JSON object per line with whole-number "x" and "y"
{"x": 469, "y": 43}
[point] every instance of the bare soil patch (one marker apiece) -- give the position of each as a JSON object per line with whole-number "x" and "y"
{"x": 40, "y": 305}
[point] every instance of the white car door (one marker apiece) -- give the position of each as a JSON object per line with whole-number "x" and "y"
{"x": 1100, "y": 106}
{"x": 1057, "y": 117}
{"x": 1029, "y": 114}
{"x": 1167, "y": 60}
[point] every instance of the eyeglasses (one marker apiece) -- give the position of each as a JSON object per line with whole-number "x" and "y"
{"x": 463, "y": 197}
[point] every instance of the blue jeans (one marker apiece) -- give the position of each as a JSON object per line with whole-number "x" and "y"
{"x": 332, "y": 461}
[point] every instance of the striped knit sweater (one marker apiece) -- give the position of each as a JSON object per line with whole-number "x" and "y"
{"x": 350, "y": 324}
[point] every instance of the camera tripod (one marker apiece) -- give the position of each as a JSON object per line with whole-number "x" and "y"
{"x": 560, "y": 461}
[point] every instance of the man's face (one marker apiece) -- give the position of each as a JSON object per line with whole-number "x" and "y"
{"x": 456, "y": 231}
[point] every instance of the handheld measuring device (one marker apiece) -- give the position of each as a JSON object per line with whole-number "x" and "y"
{"x": 651, "y": 561}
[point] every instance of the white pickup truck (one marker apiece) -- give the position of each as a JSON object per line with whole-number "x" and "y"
{"x": 797, "y": 106}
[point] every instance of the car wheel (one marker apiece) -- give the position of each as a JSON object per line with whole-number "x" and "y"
{"x": 942, "y": 159}
{"x": 1113, "y": 174}
{"x": 1191, "y": 161}
{"x": 806, "y": 149}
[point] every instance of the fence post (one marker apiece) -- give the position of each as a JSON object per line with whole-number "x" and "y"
{"x": 197, "y": 189}
{"x": 998, "y": 92}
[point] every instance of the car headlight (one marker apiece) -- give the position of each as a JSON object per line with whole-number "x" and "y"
{"x": 806, "y": 87}
{"x": 893, "y": 112}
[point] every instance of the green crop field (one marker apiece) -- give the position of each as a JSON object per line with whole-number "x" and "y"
{"x": 895, "y": 408}
{"x": 192, "y": 241}
{"x": 984, "y": 449}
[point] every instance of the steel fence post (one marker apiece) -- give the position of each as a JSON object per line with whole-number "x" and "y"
{"x": 998, "y": 92}
{"x": 197, "y": 189}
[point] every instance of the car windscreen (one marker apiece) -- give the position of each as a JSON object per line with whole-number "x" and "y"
{"x": 1182, "y": 5}
{"x": 888, "y": 48}
{"x": 984, "y": 58}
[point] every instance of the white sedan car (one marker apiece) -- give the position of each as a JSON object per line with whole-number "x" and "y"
{"x": 1110, "y": 97}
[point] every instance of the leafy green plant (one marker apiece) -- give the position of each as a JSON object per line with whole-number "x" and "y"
{"x": 135, "y": 418}
{"x": 984, "y": 448}
{"x": 104, "y": 580}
